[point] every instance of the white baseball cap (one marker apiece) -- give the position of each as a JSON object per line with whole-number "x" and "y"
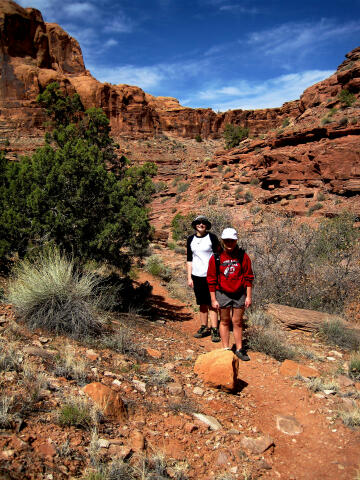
{"x": 229, "y": 234}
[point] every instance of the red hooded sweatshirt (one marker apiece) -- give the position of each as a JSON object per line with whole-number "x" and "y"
{"x": 233, "y": 277}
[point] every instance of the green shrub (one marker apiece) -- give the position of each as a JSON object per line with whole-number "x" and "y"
{"x": 65, "y": 194}
{"x": 239, "y": 189}
{"x": 227, "y": 170}
{"x": 234, "y": 134}
{"x": 346, "y": 98}
{"x": 343, "y": 122}
{"x": 198, "y": 138}
{"x": 332, "y": 111}
{"x": 285, "y": 123}
{"x": 213, "y": 200}
{"x": 182, "y": 187}
{"x": 78, "y": 412}
{"x": 181, "y": 226}
{"x": 160, "y": 186}
{"x": 47, "y": 292}
{"x": 325, "y": 121}
{"x": 225, "y": 186}
{"x": 354, "y": 366}
{"x": 220, "y": 168}
{"x": 248, "y": 196}
{"x": 313, "y": 208}
{"x": 156, "y": 267}
{"x": 254, "y": 181}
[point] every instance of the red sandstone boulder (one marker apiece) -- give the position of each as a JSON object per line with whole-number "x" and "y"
{"x": 218, "y": 368}
{"x": 107, "y": 400}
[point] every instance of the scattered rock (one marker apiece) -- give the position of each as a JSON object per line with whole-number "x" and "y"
{"x": 120, "y": 451}
{"x": 152, "y": 352}
{"x": 91, "y": 355}
{"x": 198, "y": 391}
{"x": 140, "y": 386}
{"x": 175, "y": 389}
{"x": 344, "y": 381}
{"x": 209, "y": 421}
{"x": 291, "y": 369}
{"x": 288, "y": 424}
{"x": 257, "y": 445}
{"x": 222, "y": 459}
{"x": 106, "y": 399}
{"x": 103, "y": 443}
{"x": 137, "y": 441}
{"x": 219, "y": 369}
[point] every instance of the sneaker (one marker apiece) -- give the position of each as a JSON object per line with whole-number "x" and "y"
{"x": 242, "y": 354}
{"x": 203, "y": 331}
{"x": 215, "y": 336}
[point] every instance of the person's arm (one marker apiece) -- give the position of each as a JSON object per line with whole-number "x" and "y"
{"x": 189, "y": 261}
{"x": 248, "y": 299}
{"x": 189, "y": 271}
{"x": 212, "y": 282}
{"x": 248, "y": 278}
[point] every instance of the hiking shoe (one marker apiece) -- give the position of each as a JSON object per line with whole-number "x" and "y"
{"x": 242, "y": 354}
{"x": 203, "y": 331}
{"x": 215, "y": 336}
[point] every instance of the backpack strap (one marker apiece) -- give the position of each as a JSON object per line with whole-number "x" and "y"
{"x": 217, "y": 265}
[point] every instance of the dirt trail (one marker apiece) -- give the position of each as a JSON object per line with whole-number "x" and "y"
{"x": 326, "y": 449}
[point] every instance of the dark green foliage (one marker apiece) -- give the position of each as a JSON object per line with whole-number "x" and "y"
{"x": 285, "y": 123}
{"x": 181, "y": 226}
{"x": 346, "y": 98}
{"x": 66, "y": 195}
{"x": 234, "y": 134}
{"x": 198, "y": 138}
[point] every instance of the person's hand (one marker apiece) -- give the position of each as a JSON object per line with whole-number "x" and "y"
{"x": 248, "y": 302}
{"x": 190, "y": 283}
{"x": 215, "y": 305}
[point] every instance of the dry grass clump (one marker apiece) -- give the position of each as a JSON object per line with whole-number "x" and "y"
{"x": 158, "y": 377}
{"x": 337, "y": 333}
{"x": 122, "y": 341}
{"x": 9, "y": 357}
{"x": 351, "y": 418}
{"x": 33, "y": 381}
{"x": 48, "y": 292}
{"x": 264, "y": 336}
{"x": 6, "y": 415}
{"x": 71, "y": 367}
{"x": 320, "y": 384}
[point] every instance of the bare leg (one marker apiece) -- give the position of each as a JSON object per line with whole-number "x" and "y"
{"x": 237, "y": 320}
{"x": 225, "y": 326}
{"x": 204, "y": 315}
{"x": 213, "y": 314}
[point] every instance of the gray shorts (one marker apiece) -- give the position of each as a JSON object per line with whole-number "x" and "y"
{"x": 234, "y": 300}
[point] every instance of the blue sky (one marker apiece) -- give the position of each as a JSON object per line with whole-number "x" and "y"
{"x": 221, "y": 54}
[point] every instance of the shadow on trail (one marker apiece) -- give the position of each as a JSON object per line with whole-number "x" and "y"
{"x": 167, "y": 311}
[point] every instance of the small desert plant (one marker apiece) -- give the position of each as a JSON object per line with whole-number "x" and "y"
{"x": 285, "y": 123}
{"x": 6, "y": 417}
{"x": 158, "y": 377}
{"x": 351, "y": 418}
{"x": 160, "y": 186}
{"x": 343, "y": 121}
{"x": 181, "y": 226}
{"x": 346, "y": 98}
{"x": 270, "y": 342}
{"x": 185, "y": 406}
{"x": 313, "y": 208}
{"x": 259, "y": 318}
{"x": 79, "y": 412}
{"x": 227, "y": 170}
{"x": 182, "y": 187}
{"x": 213, "y": 200}
{"x": 248, "y": 196}
{"x": 239, "y": 189}
{"x": 9, "y": 358}
{"x": 336, "y": 333}
{"x": 319, "y": 385}
{"x": 254, "y": 181}
{"x": 47, "y": 292}
{"x": 325, "y": 120}
{"x": 354, "y": 366}
{"x": 198, "y": 138}
{"x": 321, "y": 196}
{"x": 33, "y": 381}
{"x": 70, "y": 367}
{"x": 332, "y": 111}
{"x": 122, "y": 341}
{"x": 171, "y": 245}
{"x": 225, "y": 186}
{"x": 156, "y": 267}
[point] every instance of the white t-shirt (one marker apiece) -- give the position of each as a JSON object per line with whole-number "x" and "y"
{"x": 201, "y": 248}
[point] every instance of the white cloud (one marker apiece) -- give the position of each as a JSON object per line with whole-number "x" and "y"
{"x": 110, "y": 43}
{"x": 239, "y": 8}
{"x": 250, "y": 96}
{"x": 78, "y": 9}
{"x": 299, "y": 37}
{"x": 121, "y": 24}
{"x": 144, "y": 77}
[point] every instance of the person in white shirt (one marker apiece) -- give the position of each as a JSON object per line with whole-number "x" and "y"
{"x": 200, "y": 246}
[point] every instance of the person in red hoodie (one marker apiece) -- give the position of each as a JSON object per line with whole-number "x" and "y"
{"x": 230, "y": 279}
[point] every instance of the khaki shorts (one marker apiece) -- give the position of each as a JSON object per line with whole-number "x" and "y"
{"x": 226, "y": 299}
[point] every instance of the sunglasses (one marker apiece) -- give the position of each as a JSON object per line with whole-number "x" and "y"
{"x": 201, "y": 223}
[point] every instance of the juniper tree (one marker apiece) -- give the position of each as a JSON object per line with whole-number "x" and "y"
{"x": 66, "y": 194}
